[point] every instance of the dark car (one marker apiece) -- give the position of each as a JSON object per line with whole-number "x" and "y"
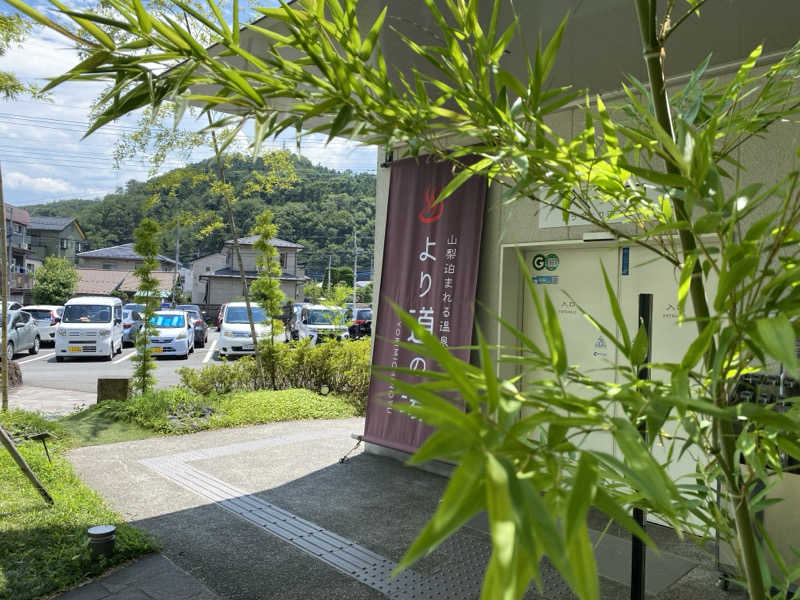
{"x": 132, "y": 323}
{"x": 361, "y": 322}
{"x": 200, "y": 327}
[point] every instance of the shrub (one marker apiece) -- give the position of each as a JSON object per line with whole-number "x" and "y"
{"x": 343, "y": 368}
{"x": 168, "y": 411}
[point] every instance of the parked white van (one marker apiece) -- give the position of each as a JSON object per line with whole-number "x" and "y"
{"x": 90, "y": 326}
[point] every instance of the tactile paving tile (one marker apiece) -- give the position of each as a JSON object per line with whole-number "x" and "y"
{"x": 460, "y": 579}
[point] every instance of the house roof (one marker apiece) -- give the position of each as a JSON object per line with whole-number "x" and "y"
{"x": 105, "y": 281}
{"x": 277, "y": 242}
{"x": 121, "y": 252}
{"x": 54, "y": 224}
{"x": 228, "y": 272}
{"x": 17, "y": 215}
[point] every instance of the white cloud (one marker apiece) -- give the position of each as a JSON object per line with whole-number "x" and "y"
{"x": 17, "y": 180}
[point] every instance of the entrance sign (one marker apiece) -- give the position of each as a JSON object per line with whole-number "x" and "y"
{"x": 430, "y": 270}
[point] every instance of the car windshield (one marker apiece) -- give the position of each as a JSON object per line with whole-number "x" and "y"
{"x": 238, "y": 314}
{"x": 325, "y": 317}
{"x": 139, "y": 307}
{"x": 167, "y": 321}
{"x": 40, "y": 313}
{"x": 87, "y": 313}
{"x": 362, "y": 314}
{"x": 127, "y": 315}
{"x": 193, "y": 314}
{"x": 193, "y": 307}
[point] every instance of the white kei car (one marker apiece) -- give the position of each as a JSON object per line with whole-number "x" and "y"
{"x": 173, "y": 336}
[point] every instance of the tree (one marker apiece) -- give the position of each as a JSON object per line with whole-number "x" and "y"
{"x": 266, "y": 289}
{"x": 55, "y": 281}
{"x": 13, "y": 30}
{"x": 526, "y": 468}
{"x": 146, "y": 244}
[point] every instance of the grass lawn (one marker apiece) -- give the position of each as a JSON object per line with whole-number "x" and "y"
{"x": 99, "y": 425}
{"x": 180, "y": 411}
{"x": 44, "y": 549}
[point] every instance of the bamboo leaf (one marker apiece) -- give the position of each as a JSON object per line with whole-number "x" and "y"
{"x": 778, "y": 339}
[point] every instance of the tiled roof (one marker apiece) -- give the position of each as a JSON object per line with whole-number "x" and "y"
{"x": 18, "y": 215}
{"x": 228, "y": 272}
{"x": 277, "y": 242}
{"x": 50, "y": 223}
{"x": 104, "y": 281}
{"x": 123, "y": 251}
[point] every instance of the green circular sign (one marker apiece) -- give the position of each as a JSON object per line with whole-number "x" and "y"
{"x": 551, "y": 262}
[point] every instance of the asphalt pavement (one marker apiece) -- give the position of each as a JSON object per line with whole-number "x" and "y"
{"x": 80, "y": 374}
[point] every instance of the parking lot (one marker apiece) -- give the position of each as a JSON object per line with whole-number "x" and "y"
{"x": 80, "y": 374}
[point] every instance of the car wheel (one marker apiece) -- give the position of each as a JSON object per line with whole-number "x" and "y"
{"x": 59, "y": 359}
{"x": 10, "y": 351}
{"x": 35, "y": 348}
{"x": 119, "y": 348}
{"x": 110, "y": 356}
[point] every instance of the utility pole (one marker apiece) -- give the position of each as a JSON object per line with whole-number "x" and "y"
{"x": 355, "y": 269}
{"x": 5, "y": 439}
{"x": 177, "y": 254}
{"x": 330, "y": 261}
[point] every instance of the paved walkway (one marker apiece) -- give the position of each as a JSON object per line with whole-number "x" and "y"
{"x": 48, "y": 401}
{"x": 270, "y": 512}
{"x": 153, "y": 577}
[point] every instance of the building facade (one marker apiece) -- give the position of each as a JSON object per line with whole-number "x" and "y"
{"x": 118, "y": 258}
{"x": 224, "y": 284}
{"x": 57, "y": 236}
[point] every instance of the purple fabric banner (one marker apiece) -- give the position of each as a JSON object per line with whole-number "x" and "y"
{"x": 430, "y": 269}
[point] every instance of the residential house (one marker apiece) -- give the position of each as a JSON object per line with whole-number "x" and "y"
{"x": 205, "y": 265}
{"x": 57, "y": 236}
{"x": 119, "y": 258}
{"x": 92, "y": 282}
{"x": 224, "y": 284}
{"x": 123, "y": 260}
{"x": 18, "y": 252}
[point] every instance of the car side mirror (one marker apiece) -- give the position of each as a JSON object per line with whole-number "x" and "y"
{"x": 117, "y": 321}
{"x": 19, "y": 325}
{"x": 305, "y": 321}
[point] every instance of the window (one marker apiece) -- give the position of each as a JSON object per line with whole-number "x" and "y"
{"x": 64, "y": 243}
{"x": 87, "y": 313}
{"x": 108, "y": 267}
{"x": 284, "y": 259}
{"x": 208, "y": 268}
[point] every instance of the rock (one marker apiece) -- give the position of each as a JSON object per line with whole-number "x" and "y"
{"x": 14, "y": 375}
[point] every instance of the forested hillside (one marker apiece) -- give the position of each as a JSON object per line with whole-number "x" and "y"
{"x": 319, "y": 210}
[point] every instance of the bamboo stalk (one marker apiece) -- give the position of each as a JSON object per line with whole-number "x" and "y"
{"x": 724, "y": 435}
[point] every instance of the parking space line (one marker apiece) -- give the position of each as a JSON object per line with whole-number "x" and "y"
{"x": 126, "y": 357}
{"x": 40, "y": 357}
{"x": 210, "y": 352}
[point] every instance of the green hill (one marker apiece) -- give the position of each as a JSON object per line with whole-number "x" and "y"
{"x": 319, "y": 211}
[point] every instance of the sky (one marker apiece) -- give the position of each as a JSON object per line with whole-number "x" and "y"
{"x": 44, "y": 159}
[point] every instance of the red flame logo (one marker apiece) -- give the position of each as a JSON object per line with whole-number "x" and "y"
{"x": 431, "y": 213}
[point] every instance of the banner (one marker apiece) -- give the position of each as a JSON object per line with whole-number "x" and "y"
{"x": 430, "y": 269}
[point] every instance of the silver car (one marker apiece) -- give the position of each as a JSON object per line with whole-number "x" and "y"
{"x": 47, "y": 317}
{"x": 22, "y": 334}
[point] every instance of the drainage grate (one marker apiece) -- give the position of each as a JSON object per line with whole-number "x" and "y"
{"x": 457, "y": 580}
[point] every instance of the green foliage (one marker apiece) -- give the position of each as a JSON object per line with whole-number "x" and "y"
{"x": 55, "y": 281}
{"x": 663, "y": 172}
{"x": 341, "y": 275}
{"x": 181, "y": 411}
{"x": 44, "y": 548}
{"x": 13, "y": 30}
{"x": 97, "y": 425}
{"x": 266, "y": 289}
{"x": 315, "y": 210}
{"x": 312, "y": 292}
{"x": 342, "y": 368}
{"x": 147, "y": 236}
